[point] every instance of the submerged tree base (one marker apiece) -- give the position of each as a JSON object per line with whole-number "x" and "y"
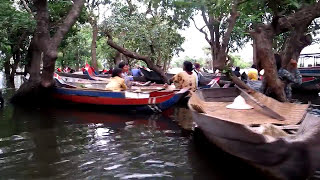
{"x": 32, "y": 93}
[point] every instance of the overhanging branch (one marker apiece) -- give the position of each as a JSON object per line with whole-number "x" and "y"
{"x": 134, "y": 55}
{"x": 202, "y": 31}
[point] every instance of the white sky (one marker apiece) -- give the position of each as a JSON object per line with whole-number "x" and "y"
{"x": 195, "y": 41}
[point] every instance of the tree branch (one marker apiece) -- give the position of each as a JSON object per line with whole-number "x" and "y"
{"x": 68, "y": 22}
{"x": 304, "y": 15}
{"x": 234, "y": 14}
{"x": 124, "y": 50}
{"x": 202, "y": 31}
{"x": 149, "y": 10}
{"x": 27, "y": 7}
{"x": 241, "y": 2}
{"x": 134, "y": 55}
{"x": 204, "y": 16}
{"x": 131, "y": 8}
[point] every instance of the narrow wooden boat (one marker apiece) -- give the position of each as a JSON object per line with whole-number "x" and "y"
{"x": 257, "y": 138}
{"x": 308, "y": 84}
{"x": 156, "y": 101}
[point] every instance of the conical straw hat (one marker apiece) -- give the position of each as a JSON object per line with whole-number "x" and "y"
{"x": 239, "y": 103}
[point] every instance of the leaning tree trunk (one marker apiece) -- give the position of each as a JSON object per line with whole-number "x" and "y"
{"x": 263, "y": 37}
{"x": 94, "y": 26}
{"x": 134, "y": 55}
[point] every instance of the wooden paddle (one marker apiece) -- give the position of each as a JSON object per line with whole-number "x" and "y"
{"x": 266, "y": 110}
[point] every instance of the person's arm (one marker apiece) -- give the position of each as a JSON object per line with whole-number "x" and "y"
{"x": 297, "y": 76}
{"x": 173, "y": 79}
{"x": 294, "y": 77}
{"x": 123, "y": 85}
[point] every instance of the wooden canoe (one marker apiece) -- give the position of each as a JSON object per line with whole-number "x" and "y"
{"x": 156, "y": 101}
{"x": 308, "y": 84}
{"x": 281, "y": 155}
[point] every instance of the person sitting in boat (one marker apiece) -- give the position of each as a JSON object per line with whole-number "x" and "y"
{"x": 125, "y": 69}
{"x": 116, "y": 83}
{"x": 197, "y": 72}
{"x": 288, "y": 76}
{"x": 253, "y": 73}
{"x": 237, "y": 71}
{"x": 136, "y": 72}
{"x": 185, "y": 79}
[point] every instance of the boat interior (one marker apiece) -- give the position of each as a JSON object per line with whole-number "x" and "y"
{"x": 212, "y": 102}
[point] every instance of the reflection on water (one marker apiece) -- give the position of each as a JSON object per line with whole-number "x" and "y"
{"x": 69, "y": 144}
{"x": 61, "y": 143}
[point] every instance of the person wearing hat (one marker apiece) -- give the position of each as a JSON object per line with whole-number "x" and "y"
{"x": 289, "y": 77}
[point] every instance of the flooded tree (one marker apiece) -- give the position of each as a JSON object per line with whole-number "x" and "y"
{"x": 296, "y": 23}
{"x": 45, "y": 42}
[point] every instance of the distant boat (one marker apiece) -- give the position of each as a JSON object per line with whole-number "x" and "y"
{"x": 309, "y": 65}
{"x": 284, "y": 150}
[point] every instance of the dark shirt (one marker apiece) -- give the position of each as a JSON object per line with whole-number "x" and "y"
{"x": 237, "y": 73}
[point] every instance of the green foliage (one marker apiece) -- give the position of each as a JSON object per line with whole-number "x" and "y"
{"x": 152, "y": 36}
{"x": 13, "y": 23}
{"x": 77, "y": 50}
{"x": 204, "y": 63}
{"x": 236, "y": 61}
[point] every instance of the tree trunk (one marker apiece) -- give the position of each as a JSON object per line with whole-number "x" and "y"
{"x": 254, "y": 46}
{"x": 17, "y": 59}
{"x": 263, "y": 34}
{"x": 36, "y": 89}
{"x": 294, "y": 44}
{"x": 263, "y": 37}
{"x": 94, "y": 43}
{"x": 51, "y": 52}
{"x": 7, "y": 67}
{"x": 35, "y": 61}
